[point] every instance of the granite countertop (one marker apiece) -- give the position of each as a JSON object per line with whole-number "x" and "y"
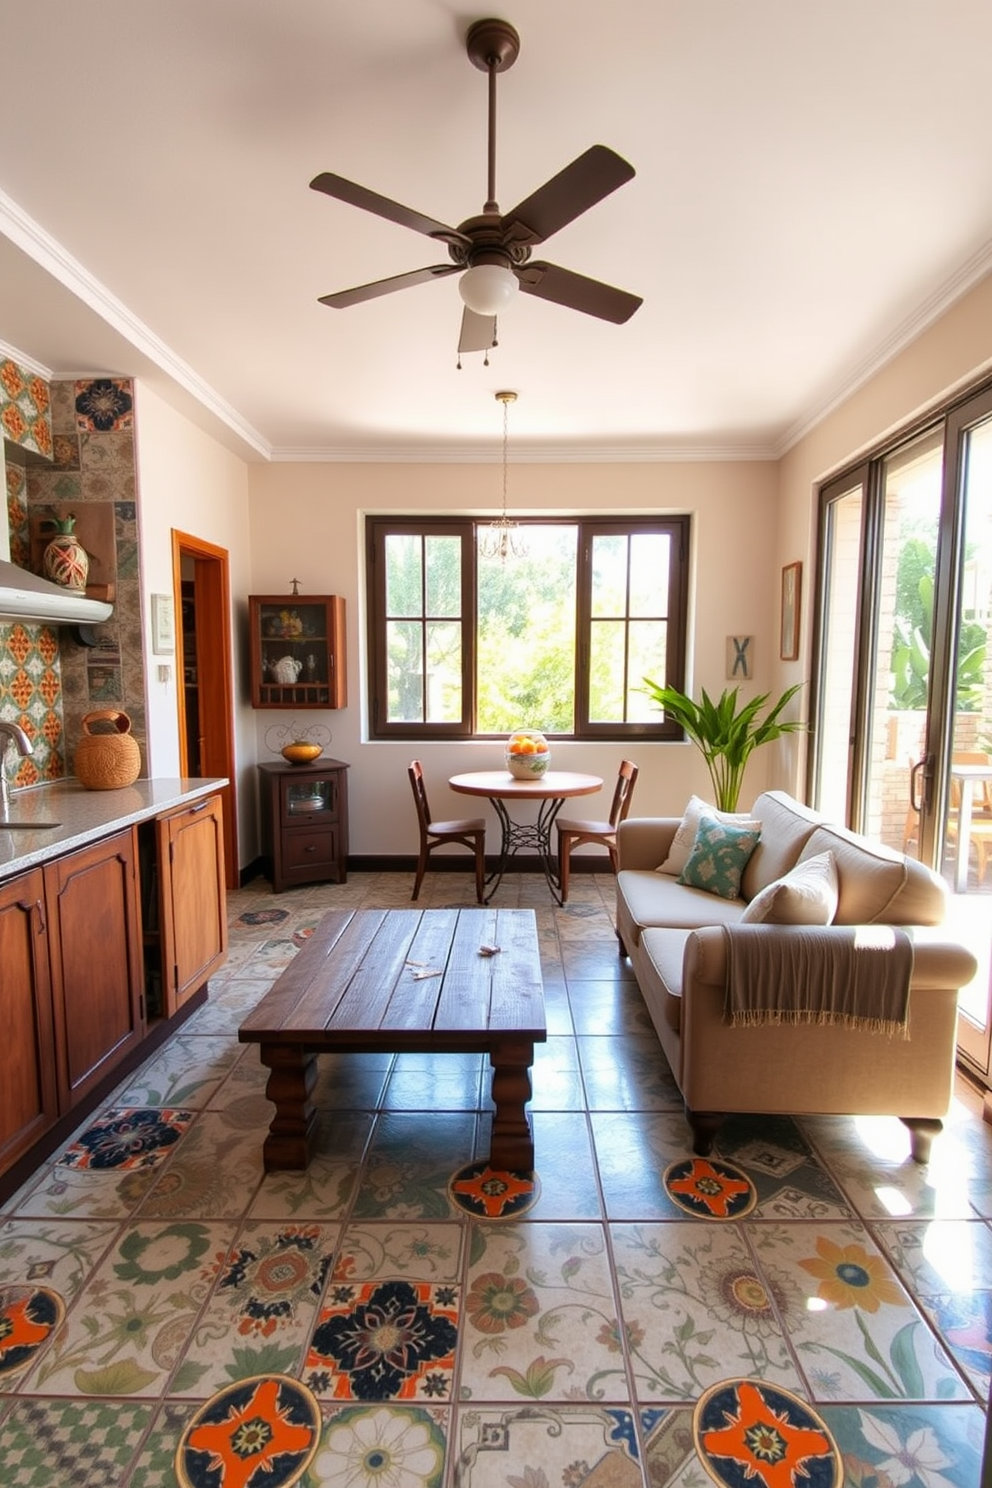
{"x": 65, "y": 816}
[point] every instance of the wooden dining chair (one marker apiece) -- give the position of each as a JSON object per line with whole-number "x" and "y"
{"x": 573, "y": 833}
{"x": 470, "y": 831}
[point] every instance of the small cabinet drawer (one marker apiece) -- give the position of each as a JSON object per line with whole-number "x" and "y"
{"x": 312, "y": 850}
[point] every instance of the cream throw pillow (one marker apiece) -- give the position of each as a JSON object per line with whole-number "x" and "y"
{"x": 807, "y": 895}
{"x": 685, "y": 838}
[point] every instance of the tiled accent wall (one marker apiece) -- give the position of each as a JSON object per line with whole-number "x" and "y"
{"x": 48, "y": 680}
{"x": 24, "y": 409}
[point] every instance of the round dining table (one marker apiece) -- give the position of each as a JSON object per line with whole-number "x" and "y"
{"x": 550, "y": 790}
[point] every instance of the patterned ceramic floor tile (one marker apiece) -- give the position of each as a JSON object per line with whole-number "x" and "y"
{"x": 228, "y": 1005}
{"x": 325, "y": 1188}
{"x": 539, "y": 1316}
{"x": 633, "y": 1150}
{"x": 670, "y": 1454}
{"x": 696, "y": 1309}
{"x": 627, "y": 1072}
{"x": 185, "y": 1072}
{"x": 60, "y": 1255}
{"x": 858, "y": 1333}
{"x": 563, "y": 1155}
{"x": 533, "y": 1445}
{"x": 89, "y": 1444}
{"x": 262, "y": 1307}
{"x": 869, "y": 1158}
{"x": 411, "y": 1157}
{"x": 379, "y": 1446}
{"x": 610, "y": 1007}
{"x": 555, "y": 1078}
{"x": 216, "y": 1172}
{"x": 63, "y": 1192}
{"x": 130, "y": 1324}
{"x": 939, "y": 1255}
{"x": 388, "y": 1325}
{"x": 790, "y": 1181}
{"x": 935, "y": 1447}
{"x": 155, "y": 1465}
{"x": 419, "y": 1082}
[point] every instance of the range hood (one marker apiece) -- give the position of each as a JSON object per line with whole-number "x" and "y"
{"x": 25, "y": 596}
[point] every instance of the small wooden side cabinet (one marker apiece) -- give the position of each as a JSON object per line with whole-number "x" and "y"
{"x": 304, "y": 822}
{"x": 297, "y": 651}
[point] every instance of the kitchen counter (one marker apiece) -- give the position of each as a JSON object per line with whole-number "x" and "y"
{"x": 64, "y": 816}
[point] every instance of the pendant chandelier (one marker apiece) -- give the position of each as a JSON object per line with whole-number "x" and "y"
{"x": 502, "y": 538}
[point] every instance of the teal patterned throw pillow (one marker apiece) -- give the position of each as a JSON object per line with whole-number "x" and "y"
{"x": 718, "y": 857}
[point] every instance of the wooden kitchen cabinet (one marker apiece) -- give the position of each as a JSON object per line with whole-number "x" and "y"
{"x": 192, "y": 907}
{"x": 304, "y": 822}
{"x": 94, "y": 943}
{"x": 28, "y": 1098}
{"x": 297, "y": 651}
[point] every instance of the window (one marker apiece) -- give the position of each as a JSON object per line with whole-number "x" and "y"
{"x": 559, "y": 638}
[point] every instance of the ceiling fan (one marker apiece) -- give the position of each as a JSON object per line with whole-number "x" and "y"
{"x": 492, "y": 252}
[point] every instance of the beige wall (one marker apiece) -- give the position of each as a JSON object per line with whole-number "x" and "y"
{"x": 187, "y": 481}
{"x": 306, "y": 522}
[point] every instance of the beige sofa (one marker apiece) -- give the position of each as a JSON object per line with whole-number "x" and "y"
{"x": 675, "y": 937}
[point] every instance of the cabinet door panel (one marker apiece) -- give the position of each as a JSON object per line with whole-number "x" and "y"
{"x": 28, "y": 1102}
{"x": 194, "y": 902}
{"x": 94, "y": 934}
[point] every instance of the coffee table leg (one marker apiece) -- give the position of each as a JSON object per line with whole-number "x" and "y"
{"x": 292, "y": 1076}
{"x": 513, "y": 1136}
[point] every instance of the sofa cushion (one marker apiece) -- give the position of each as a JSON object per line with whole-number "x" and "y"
{"x": 786, "y": 826}
{"x": 719, "y": 856}
{"x": 869, "y": 875}
{"x": 651, "y": 899}
{"x": 807, "y": 895}
{"x": 685, "y": 835}
{"x": 665, "y": 951}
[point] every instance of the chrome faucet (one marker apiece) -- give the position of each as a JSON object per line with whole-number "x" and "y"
{"x": 10, "y": 733}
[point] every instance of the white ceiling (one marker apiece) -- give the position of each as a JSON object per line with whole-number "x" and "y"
{"x": 814, "y": 184}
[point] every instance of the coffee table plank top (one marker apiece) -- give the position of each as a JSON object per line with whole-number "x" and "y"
{"x": 360, "y": 977}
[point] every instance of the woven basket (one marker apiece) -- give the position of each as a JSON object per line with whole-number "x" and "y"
{"x": 107, "y": 761}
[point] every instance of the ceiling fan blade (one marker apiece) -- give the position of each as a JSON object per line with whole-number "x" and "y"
{"x": 382, "y": 206}
{"x": 549, "y": 282}
{"x": 346, "y": 297}
{"x": 478, "y": 332}
{"x": 567, "y": 195}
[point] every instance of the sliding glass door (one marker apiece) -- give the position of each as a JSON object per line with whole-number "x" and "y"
{"x": 903, "y": 693}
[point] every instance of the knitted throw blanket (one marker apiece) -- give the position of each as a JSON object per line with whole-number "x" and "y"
{"x": 856, "y": 975}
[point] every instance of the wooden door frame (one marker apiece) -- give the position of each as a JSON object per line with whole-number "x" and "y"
{"x": 214, "y": 661}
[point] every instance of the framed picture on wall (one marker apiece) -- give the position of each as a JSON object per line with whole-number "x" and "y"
{"x": 163, "y": 625}
{"x": 791, "y": 598}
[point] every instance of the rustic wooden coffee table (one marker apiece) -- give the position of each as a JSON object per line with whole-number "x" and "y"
{"x": 404, "y": 980}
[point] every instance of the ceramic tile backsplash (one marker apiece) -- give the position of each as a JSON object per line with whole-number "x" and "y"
{"x": 49, "y": 681}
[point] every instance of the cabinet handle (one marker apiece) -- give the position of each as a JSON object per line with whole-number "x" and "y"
{"x": 201, "y": 807}
{"x": 42, "y": 927}
{"x": 311, "y": 848}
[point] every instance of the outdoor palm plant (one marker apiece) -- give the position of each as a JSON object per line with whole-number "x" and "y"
{"x": 726, "y": 732}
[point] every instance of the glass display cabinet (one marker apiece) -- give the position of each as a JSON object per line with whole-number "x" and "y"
{"x": 304, "y": 822}
{"x": 297, "y": 651}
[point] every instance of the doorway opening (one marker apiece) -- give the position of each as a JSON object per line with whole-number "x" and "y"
{"x": 201, "y": 584}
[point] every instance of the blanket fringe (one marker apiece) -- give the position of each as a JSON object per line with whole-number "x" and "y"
{"x": 761, "y": 1017}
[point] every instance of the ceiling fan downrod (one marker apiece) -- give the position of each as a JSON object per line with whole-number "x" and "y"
{"x": 493, "y": 46}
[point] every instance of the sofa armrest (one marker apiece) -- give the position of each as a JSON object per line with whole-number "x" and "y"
{"x": 937, "y": 961}
{"x": 644, "y": 841}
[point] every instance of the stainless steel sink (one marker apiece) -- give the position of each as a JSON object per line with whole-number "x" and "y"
{"x": 28, "y": 826}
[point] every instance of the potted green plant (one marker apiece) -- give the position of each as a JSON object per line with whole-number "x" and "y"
{"x": 726, "y": 732}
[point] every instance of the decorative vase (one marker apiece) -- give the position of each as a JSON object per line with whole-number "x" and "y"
{"x": 527, "y": 754}
{"x": 65, "y": 561}
{"x": 301, "y": 752}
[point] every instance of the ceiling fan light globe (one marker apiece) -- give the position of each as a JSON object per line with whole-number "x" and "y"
{"x": 488, "y": 289}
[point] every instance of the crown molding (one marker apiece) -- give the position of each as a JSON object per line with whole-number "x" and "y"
{"x": 971, "y": 272}
{"x": 14, "y": 354}
{"x": 544, "y": 454}
{"x": 49, "y": 254}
